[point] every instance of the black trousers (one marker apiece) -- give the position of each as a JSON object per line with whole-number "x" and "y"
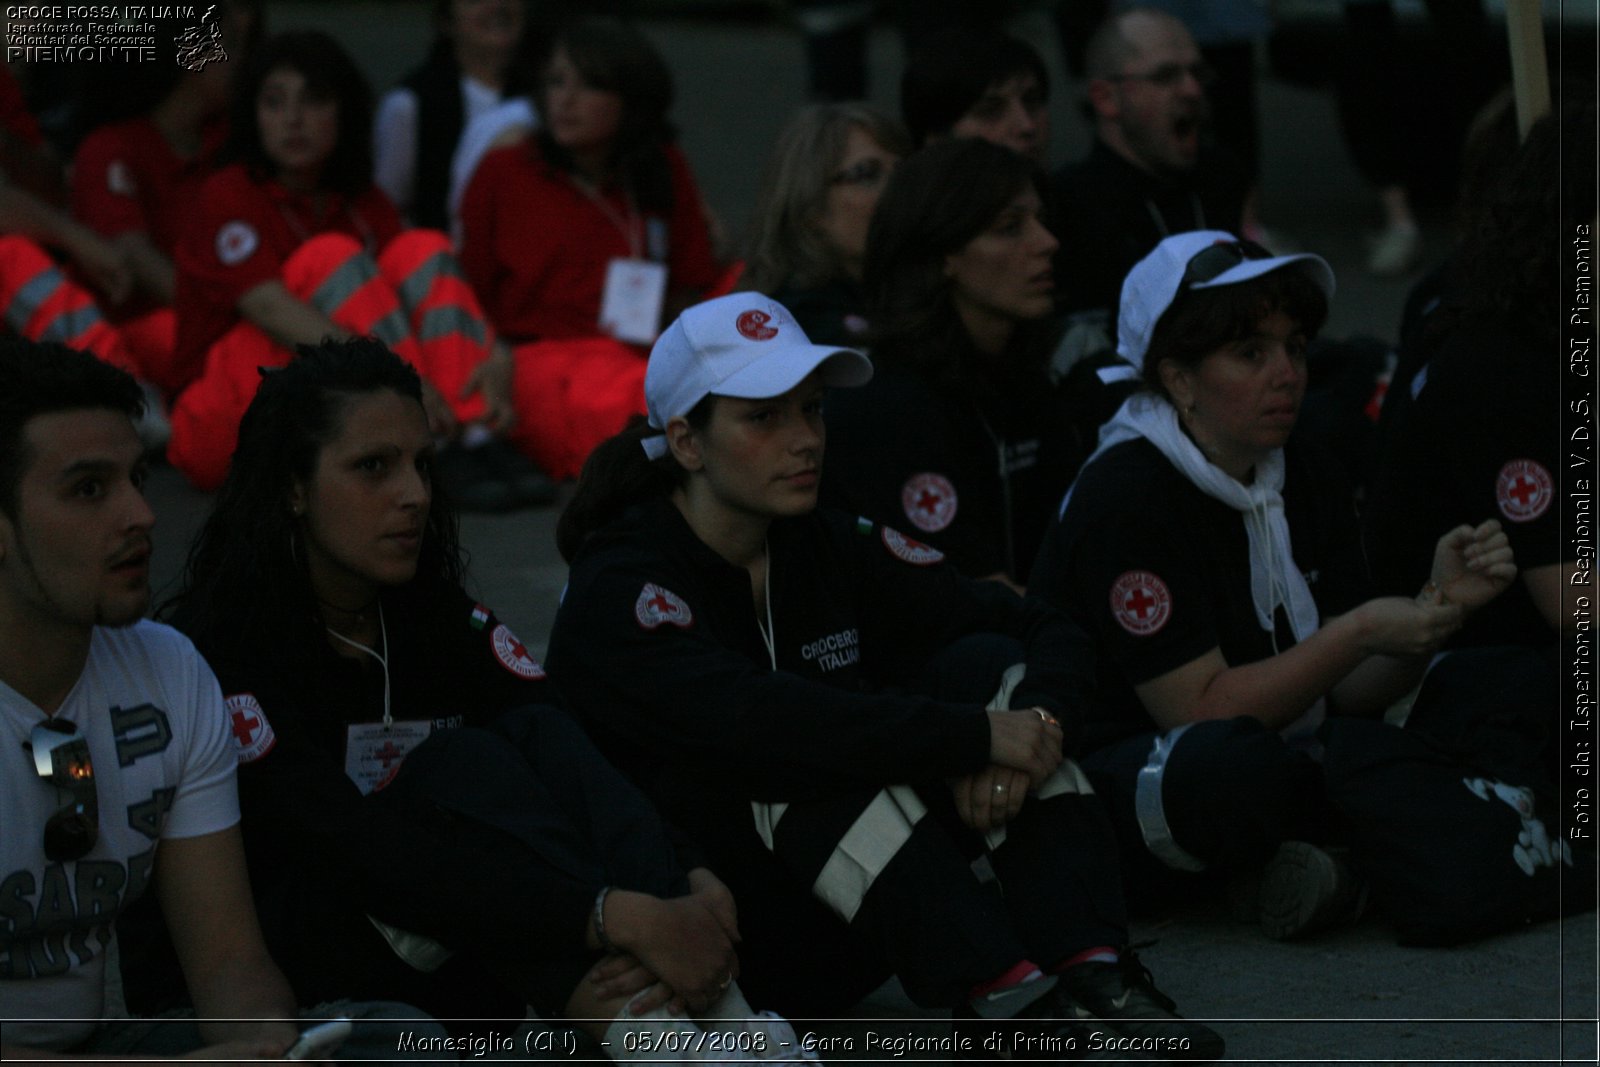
{"x": 532, "y": 793}
{"x": 1229, "y": 792}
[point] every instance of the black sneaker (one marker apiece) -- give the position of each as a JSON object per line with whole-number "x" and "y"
{"x": 1047, "y": 1030}
{"x": 469, "y": 482}
{"x": 528, "y": 484}
{"x": 1123, "y": 995}
{"x": 1306, "y": 889}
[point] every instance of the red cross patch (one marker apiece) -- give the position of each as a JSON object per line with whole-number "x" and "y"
{"x": 119, "y": 179}
{"x": 513, "y": 654}
{"x": 235, "y": 242}
{"x": 249, "y": 726}
{"x": 929, "y": 501}
{"x": 657, "y": 606}
{"x": 912, "y": 551}
{"x": 1140, "y": 603}
{"x": 1524, "y": 490}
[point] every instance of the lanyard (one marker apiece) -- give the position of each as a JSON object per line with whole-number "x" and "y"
{"x": 767, "y": 632}
{"x": 368, "y": 239}
{"x": 383, "y": 660}
{"x": 630, "y": 225}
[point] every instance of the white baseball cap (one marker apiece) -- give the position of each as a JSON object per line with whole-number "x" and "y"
{"x": 1154, "y": 282}
{"x": 744, "y": 345}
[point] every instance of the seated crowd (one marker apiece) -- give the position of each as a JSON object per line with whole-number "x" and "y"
{"x": 952, "y": 572}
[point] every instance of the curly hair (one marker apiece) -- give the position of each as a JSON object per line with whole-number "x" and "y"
{"x": 329, "y": 72}
{"x": 246, "y": 584}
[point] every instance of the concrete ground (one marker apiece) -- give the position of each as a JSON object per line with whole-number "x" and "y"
{"x": 1352, "y": 996}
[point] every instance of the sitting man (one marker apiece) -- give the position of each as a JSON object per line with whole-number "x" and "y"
{"x": 1148, "y": 175}
{"x": 103, "y": 711}
{"x": 983, "y": 83}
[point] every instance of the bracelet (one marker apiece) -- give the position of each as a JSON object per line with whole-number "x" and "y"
{"x": 1429, "y": 591}
{"x": 600, "y": 920}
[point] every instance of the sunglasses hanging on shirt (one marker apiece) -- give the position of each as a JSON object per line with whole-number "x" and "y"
{"x": 61, "y": 757}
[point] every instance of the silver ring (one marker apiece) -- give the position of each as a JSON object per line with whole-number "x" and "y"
{"x": 1045, "y": 717}
{"x": 998, "y": 788}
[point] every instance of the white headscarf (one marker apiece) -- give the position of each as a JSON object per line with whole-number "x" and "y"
{"x": 1274, "y": 577}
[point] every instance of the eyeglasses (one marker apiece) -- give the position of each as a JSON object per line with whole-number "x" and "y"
{"x": 61, "y": 757}
{"x": 868, "y": 172}
{"x": 1212, "y": 261}
{"x": 1171, "y": 75}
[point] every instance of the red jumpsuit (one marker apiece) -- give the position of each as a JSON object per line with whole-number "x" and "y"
{"x": 536, "y": 245}
{"x": 126, "y": 178}
{"x": 347, "y": 257}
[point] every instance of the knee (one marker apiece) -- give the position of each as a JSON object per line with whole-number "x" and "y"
{"x": 1233, "y": 790}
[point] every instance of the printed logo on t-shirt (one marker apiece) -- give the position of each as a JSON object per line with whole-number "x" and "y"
{"x": 753, "y": 324}
{"x": 119, "y": 179}
{"x": 1140, "y": 603}
{"x": 250, "y": 727}
{"x": 912, "y": 551}
{"x": 1524, "y": 490}
{"x": 929, "y": 501}
{"x": 235, "y": 242}
{"x": 513, "y": 654}
{"x": 657, "y": 606}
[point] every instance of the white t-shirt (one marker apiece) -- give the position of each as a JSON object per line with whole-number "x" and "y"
{"x": 394, "y": 137}
{"x": 517, "y": 113}
{"x": 163, "y": 768}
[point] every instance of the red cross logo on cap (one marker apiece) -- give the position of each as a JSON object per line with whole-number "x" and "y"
{"x": 929, "y": 501}
{"x": 1524, "y": 490}
{"x": 1140, "y": 602}
{"x": 753, "y": 324}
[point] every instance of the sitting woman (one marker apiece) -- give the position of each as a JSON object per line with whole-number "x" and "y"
{"x": 961, "y": 434}
{"x": 137, "y": 174}
{"x": 580, "y": 238}
{"x": 479, "y": 57}
{"x": 1216, "y": 564}
{"x": 809, "y": 231}
{"x": 292, "y": 243}
{"x": 417, "y": 815}
{"x": 749, "y": 660}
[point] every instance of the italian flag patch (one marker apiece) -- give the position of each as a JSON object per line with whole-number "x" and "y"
{"x": 864, "y": 526}
{"x": 480, "y": 615}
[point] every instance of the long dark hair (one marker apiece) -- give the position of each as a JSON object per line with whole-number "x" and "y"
{"x": 615, "y": 57}
{"x": 1510, "y": 258}
{"x": 327, "y": 69}
{"x": 940, "y": 198}
{"x": 246, "y": 583}
{"x": 618, "y": 475}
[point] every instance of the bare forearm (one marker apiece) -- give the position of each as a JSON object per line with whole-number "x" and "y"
{"x": 1279, "y": 689}
{"x": 287, "y": 319}
{"x": 153, "y": 272}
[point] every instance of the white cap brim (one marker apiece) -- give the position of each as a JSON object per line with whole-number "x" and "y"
{"x": 763, "y": 378}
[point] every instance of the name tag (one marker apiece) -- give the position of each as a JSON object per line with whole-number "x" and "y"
{"x": 630, "y": 307}
{"x": 373, "y": 753}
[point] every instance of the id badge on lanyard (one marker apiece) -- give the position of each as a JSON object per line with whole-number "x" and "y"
{"x": 636, "y": 285}
{"x": 630, "y": 307}
{"x": 373, "y": 752}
